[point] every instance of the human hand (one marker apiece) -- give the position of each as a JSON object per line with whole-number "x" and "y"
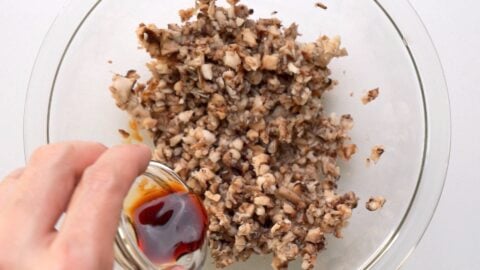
{"x": 85, "y": 180}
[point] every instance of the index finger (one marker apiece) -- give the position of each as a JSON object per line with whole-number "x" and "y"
{"x": 94, "y": 211}
{"x": 41, "y": 191}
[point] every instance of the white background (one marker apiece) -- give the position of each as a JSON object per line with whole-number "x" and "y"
{"x": 451, "y": 242}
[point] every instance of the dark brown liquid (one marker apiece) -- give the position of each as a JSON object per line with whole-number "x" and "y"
{"x": 169, "y": 224}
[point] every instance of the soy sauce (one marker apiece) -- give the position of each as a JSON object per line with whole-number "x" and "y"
{"x": 169, "y": 223}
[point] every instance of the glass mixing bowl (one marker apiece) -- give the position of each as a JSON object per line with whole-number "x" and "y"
{"x": 68, "y": 98}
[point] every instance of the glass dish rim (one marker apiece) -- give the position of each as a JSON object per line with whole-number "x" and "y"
{"x": 424, "y": 58}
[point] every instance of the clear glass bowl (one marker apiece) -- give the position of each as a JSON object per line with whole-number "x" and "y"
{"x": 389, "y": 48}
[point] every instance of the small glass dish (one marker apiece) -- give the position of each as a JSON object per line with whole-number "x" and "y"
{"x": 127, "y": 253}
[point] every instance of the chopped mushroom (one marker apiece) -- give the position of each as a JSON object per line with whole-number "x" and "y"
{"x": 375, "y": 203}
{"x": 124, "y": 133}
{"x": 370, "y": 96}
{"x": 376, "y": 152}
{"x": 321, "y": 5}
{"x": 270, "y": 62}
{"x": 235, "y": 106}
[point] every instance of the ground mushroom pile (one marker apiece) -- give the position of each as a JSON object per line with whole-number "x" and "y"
{"x": 234, "y": 106}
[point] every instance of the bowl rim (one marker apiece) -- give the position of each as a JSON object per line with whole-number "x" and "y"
{"x": 420, "y": 48}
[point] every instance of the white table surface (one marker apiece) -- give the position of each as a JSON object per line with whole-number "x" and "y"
{"x": 451, "y": 242}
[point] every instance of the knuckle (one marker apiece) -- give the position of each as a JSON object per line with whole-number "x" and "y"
{"x": 79, "y": 254}
{"x": 13, "y": 174}
{"x": 65, "y": 258}
{"x": 101, "y": 177}
{"x": 51, "y": 153}
{"x": 97, "y": 145}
